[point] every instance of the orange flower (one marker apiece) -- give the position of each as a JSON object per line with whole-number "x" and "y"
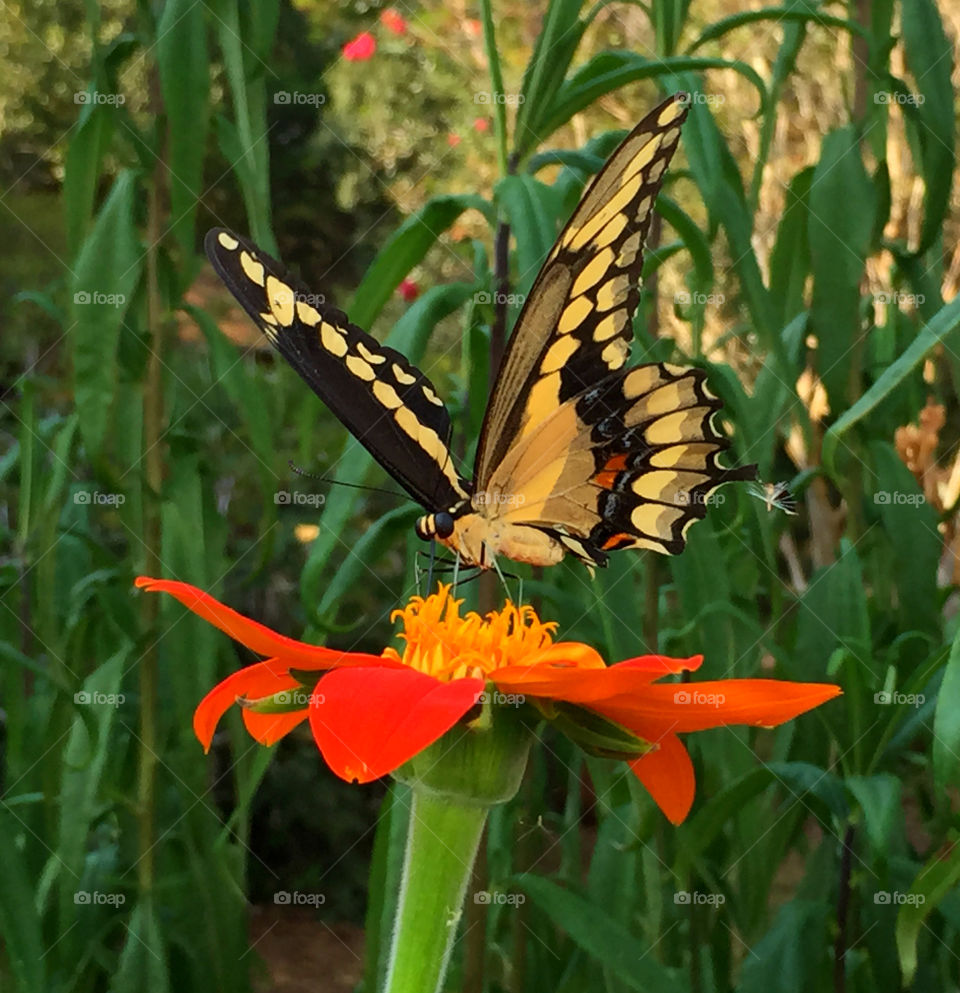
{"x": 369, "y": 714}
{"x": 393, "y": 22}
{"x": 360, "y": 48}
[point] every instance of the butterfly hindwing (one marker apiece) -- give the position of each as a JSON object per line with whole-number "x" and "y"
{"x": 387, "y": 404}
{"x": 576, "y": 325}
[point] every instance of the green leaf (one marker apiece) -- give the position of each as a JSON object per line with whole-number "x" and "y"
{"x": 943, "y": 324}
{"x": 778, "y": 14}
{"x": 790, "y": 258}
{"x": 609, "y": 71}
{"x": 143, "y": 961}
{"x": 930, "y": 56}
{"x": 81, "y": 172}
{"x": 602, "y": 937}
{"x": 532, "y": 209}
{"x": 404, "y": 249}
{"x": 839, "y": 244}
{"x": 935, "y": 882}
{"x": 104, "y": 279}
{"x": 880, "y": 800}
{"x": 183, "y": 65}
{"x": 24, "y": 946}
{"x": 946, "y": 724}
{"x": 789, "y": 958}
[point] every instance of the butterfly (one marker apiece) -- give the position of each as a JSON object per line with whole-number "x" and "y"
{"x": 579, "y": 453}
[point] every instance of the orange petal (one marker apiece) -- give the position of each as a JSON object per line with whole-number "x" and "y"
{"x": 684, "y": 707}
{"x": 667, "y": 774}
{"x": 255, "y": 681}
{"x": 255, "y": 636}
{"x": 659, "y": 665}
{"x": 368, "y": 722}
{"x": 268, "y": 729}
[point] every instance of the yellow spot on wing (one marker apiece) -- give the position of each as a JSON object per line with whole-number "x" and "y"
{"x": 611, "y": 325}
{"x": 252, "y": 268}
{"x": 628, "y": 251}
{"x": 581, "y": 237}
{"x": 615, "y": 354}
{"x": 655, "y": 519}
{"x": 268, "y": 319}
{"x": 403, "y": 378}
{"x": 431, "y": 396}
{"x": 543, "y": 400}
{"x": 333, "y": 340}
{"x": 612, "y": 293}
{"x": 228, "y": 242}
{"x": 696, "y": 455}
{"x": 386, "y": 394}
{"x": 370, "y": 356}
{"x": 574, "y": 315}
{"x": 360, "y": 368}
{"x": 281, "y": 300}
{"x": 675, "y": 427}
{"x": 593, "y": 273}
{"x": 671, "y": 112}
{"x": 558, "y": 354}
{"x": 612, "y": 231}
{"x": 309, "y": 315}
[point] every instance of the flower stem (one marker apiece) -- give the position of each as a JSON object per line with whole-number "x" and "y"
{"x": 441, "y": 847}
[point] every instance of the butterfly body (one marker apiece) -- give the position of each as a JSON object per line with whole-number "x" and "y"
{"x": 579, "y": 453}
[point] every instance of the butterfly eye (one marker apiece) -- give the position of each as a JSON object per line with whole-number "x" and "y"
{"x": 443, "y": 523}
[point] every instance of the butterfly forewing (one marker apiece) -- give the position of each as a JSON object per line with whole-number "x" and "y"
{"x": 388, "y": 405}
{"x": 576, "y": 325}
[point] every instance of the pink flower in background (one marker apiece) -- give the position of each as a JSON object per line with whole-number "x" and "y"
{"x": 481, "y": 125}
{"x": 453, "y": 139}
{"x": 409, "y": 290}
{"x": 393, "y": 22}
{"x": 361, "y": 48}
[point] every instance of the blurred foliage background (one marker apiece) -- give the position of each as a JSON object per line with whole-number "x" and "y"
{"x": 807, "y": 255}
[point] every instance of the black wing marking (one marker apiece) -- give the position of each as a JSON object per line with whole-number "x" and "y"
{"x": 387, "y": 404}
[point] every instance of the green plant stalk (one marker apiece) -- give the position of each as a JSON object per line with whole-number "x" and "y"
{"x": 441, "y": 847}
{"x": 496, "y": 81}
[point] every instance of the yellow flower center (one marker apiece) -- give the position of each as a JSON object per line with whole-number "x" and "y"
{"x": 447, "y": 646}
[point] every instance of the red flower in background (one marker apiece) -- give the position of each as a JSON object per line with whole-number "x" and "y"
{"x": 409, "y": 290}
{"x": 369, "y": 714}
{"x": 393, "y": 22}
{"x": 360, "y": 48}
{"x": 453, "y": 139}
{"x": 481, "y": 124}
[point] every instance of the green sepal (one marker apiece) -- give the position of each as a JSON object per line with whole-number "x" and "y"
{"x": 596, "y": 735}
{"x": 284, "y": 702}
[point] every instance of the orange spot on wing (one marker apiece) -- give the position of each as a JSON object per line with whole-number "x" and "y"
{"x": 616, "y": 541}
{"x": 616, "y": 463}
{"x": 605, "y": 479}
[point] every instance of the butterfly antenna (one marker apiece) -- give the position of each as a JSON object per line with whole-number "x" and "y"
{"x": 339, "y": 482}
{"x": 433, "y": 556}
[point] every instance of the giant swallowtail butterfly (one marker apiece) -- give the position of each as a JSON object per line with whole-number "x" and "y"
{"x": 578, "y": 452}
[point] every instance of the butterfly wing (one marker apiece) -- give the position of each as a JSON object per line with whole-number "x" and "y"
{"x": 629, "y": 463}
{"x": 576, "y": 325}
{"x": 387, "y": 404}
